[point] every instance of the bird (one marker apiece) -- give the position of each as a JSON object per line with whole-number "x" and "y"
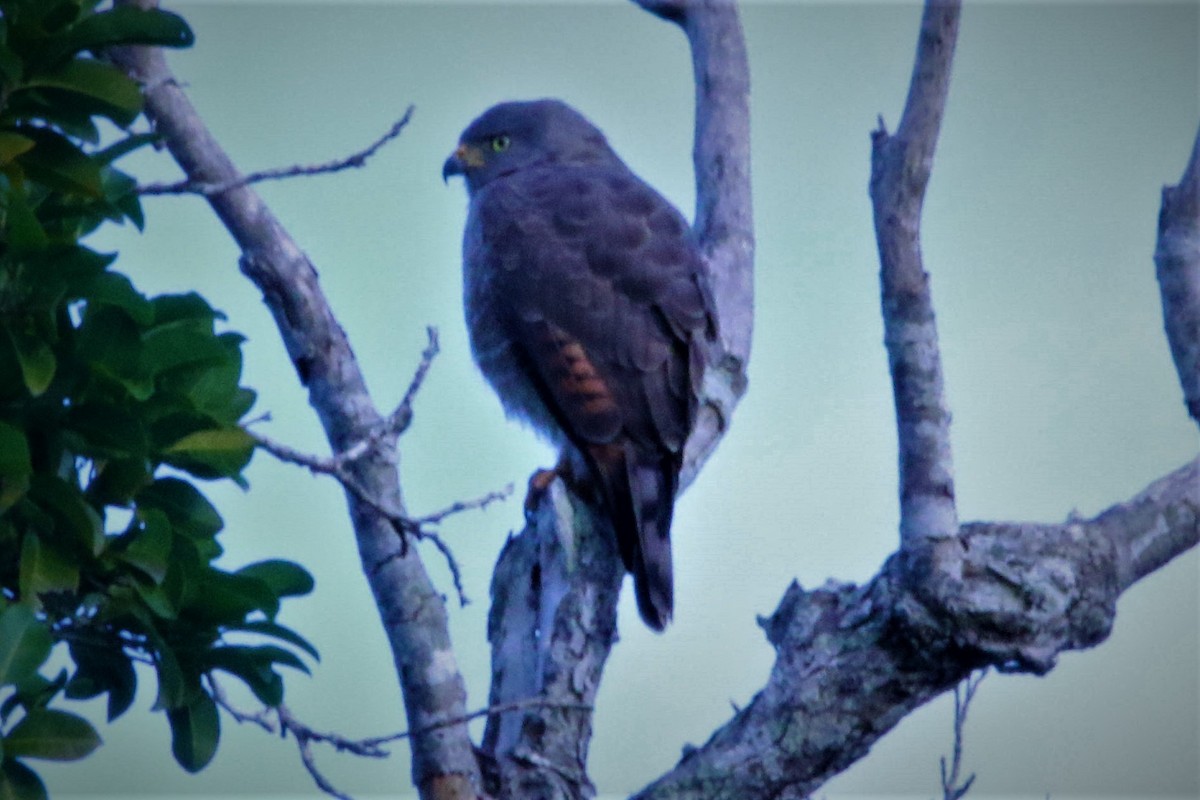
{"x": 589, "y": 312}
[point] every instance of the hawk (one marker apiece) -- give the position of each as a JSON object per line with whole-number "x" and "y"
{"x": 589, "y": 314}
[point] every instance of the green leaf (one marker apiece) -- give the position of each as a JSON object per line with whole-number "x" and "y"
{"x": 281, "y": 632}
{"x": 37, "y": 361}
{"x": 174, "y": 688}
{"x": 13, "y": 145}
{"x": 76, "y": 524}
{"x": 222, "y": 598}
{"x": 101, "y": 669}
{"x": 114, "y": 289}
{"x": 19, "y": 782}
{"x": 25, "y": 643}
{"x": 106, "y": 430}
{"x": 190, "y": 513}
{"x": 150, "y": 550}
{"x": 168, "y": 346}
{"x": 11, "y": 65}
{"x": 25, "y": 231}
{"x": 125, "y": 146}
{"x": 254, "y": 666}
{"x": 189, "y": 306}
{"x": 43, "y": 569}
{"x": 117, "y": 481}
{"x": 110, "y": 92}
{"x": 195, "y": 731}
{"x": 217, "y": 452}
{"x": 284, "y": 578}
{"x": 52, "y": 735}
{"x": 15, "y": 466}
{"x": 58, "y": 164}
{"x": 127, "y": 25}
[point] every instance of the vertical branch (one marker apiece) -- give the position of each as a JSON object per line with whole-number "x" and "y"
{"x": 552, "y": 624}
{"x": 1177, "y": 259}
{"x": 900, "y": 169}
{"x": 412, "y": 610}
{"x": 724, "y": 220}
{"x": 724, "y": 223}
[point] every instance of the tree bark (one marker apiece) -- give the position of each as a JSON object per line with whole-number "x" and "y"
{"x": 852, "y": 661}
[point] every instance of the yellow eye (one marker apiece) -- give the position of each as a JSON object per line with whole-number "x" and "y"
{"x": 500, "y": 143}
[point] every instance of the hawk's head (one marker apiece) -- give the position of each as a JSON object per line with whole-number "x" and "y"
{"x": 512, "y": 136}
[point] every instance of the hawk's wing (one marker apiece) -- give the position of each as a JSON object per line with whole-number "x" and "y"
{"x": 605, "y": 305}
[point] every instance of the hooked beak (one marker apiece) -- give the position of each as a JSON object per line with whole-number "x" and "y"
{"x": 463, "y": 158}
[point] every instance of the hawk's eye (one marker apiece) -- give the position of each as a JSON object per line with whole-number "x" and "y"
{"x": 500, "y": 143}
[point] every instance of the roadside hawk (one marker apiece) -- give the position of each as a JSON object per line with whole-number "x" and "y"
{"x": 589, "y": 313}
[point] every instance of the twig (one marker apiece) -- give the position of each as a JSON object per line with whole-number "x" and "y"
{"x": 501, "y": 708}
{"x": 403, "y": 524}
{"x": 305, "y": 736}
{"x": 210, "y": 189}
{"x": 259, "y": 718}
{"x": 466, "y": 505}
{"x": 401, "y": 418}
{"x": 963, "y": 694}
{"x": 366, "y": 748}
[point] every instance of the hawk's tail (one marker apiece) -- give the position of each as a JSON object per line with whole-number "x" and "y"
{"x": 640, "y": 493}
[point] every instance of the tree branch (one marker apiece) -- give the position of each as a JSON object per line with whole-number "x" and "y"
{"x": 337, "y": 165}
{"x": 1177, "y": 258}
{"x": 900, "y": 169}
{"x": 724, "y": 220}
{"x": 853, "y": 661}
{"x": 412, "y": 610}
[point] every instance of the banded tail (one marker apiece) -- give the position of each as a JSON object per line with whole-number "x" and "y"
{"x": 639, "y": 491}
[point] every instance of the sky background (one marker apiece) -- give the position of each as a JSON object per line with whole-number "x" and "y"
{"x": 1063, "y": 123}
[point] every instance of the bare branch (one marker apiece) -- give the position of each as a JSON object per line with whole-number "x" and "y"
{"x": 305, "y": 736}
{"x": 260, "y": 718}
{"x": 337, "y": 165}
{"x": 724, "y": 219}
{"x": 490, "y": 711}
{"x": 402, "y": 524}
{"x": 852, "y": 661}
{"x": 412, "y": 611}
{"x": 1177, "y": 258}
{"x": 900, "y": 169}
{"x": 371, "y": 747}
{"x": 401, "y": 418}
{"x": 479, "y": 503}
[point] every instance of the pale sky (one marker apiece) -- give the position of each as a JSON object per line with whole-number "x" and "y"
{"x": 1063, "y": 123}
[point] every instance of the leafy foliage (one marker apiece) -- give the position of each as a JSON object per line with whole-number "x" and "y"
{"x": 111, "y": 404}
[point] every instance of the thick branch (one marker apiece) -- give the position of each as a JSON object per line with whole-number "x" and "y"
{"x": 1177, "y": 258}
{"x": 411, "y": 608}
{"x": 852, "y": 661}
{"x": 900, "y": 169}
{"x": 551, "y": 626}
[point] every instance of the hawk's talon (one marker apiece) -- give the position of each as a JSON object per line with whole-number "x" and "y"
{"x": 539, "y": 484}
